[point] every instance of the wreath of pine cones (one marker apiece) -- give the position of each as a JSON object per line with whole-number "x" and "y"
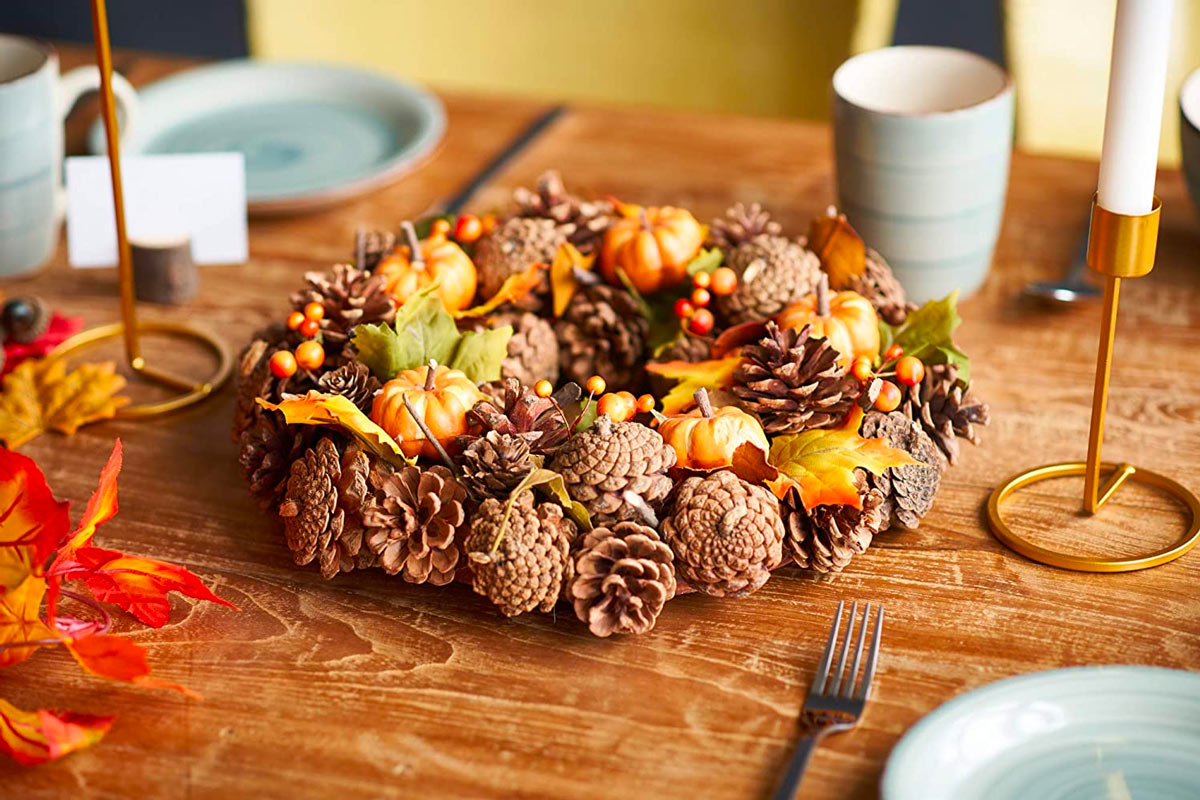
{"x": 486, "y": 447}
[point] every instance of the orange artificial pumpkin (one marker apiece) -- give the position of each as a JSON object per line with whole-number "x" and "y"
{"x": 652, "y": 246}
{"x": 441, "y": 398}
{"x": 439, "y": 259}
{"x": 707, "y": 439}
{"x": 847, "y": 319}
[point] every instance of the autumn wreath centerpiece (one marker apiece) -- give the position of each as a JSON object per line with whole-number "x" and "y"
{"x": 601, "y": 404}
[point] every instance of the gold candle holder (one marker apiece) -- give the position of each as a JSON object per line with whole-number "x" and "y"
{"x": 1119, "y": 246}
{"x": 129, "y": 329}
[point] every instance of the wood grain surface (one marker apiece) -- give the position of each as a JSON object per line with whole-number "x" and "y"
{"x": 366, "y": 687}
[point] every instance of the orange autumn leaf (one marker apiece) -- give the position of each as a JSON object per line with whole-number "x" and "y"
{"x": 820, "y": 464}
{"x": 711, "y": 375}
{"x": 101, "y": 507}
{"x": 841, "y": 250}
{"x": 316, "y": 408}
{"x": 117, "y": 658}
{"x": 514, "y": 288}
{"x": 35, "y": 737}
{"x": 32, "y": 522}
{"x": 20, "y": 621}
{"x": 563, "y": 279}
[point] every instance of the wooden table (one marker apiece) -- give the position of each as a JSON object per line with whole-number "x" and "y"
{"x": 368, "y": 687}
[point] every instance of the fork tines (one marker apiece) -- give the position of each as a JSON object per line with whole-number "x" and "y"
{"x": 846, "y": 685}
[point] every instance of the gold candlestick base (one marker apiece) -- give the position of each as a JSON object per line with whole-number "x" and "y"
{"x": 1119, "y": 246}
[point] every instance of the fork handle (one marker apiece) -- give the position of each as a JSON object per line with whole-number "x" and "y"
{"x": 790, "y": 783}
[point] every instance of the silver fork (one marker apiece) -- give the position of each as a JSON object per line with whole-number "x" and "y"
{"x": 834, "y": 703}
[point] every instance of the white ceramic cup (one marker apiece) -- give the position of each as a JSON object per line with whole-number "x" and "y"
{"x": 34, "y": 102}
{"x": 922, "y": 137}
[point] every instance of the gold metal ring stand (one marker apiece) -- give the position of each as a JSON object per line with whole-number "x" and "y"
{"x": 1119, "y": 246}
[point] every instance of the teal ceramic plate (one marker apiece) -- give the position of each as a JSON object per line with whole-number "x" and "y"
{"x": 1087, "y": 733}
{"x": 312, "y": 134}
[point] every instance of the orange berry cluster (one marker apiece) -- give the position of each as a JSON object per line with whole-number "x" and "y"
{"x": 309, "y": 354}
{"x": 617, "y": 406}
{"x": 907, "y": 370}
{"x": 693, "y": 311}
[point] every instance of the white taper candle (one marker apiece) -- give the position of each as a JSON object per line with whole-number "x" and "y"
{"x": 1133, "y": 119}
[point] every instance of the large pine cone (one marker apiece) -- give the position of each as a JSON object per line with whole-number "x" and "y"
{"x": 513, "y": 246}
{"x": 528, "y": 568}
{"x": 411, "y": 519}
{"x": 945, "y": 409}
{"x": 879, "y": 285}
{"x": 825, "y": 538}
{"x": 269, "y": 447}
{"x": 603, "y": 333}
{"x": 908, "y": 491}
{"x": 532, "y": 350}
{"x": 351, "y": 297}
{"x": 741, "y": 223}
{"x": 522, "y": 413}
{"x": 623, "y": 577}
{"x": 322, "y": 505}
{"x": 727, "y": 534}
{"x": 495, "y": 463}
{"x": 793, "y": 382}
{"x": 616, "y": 470}
{"x": 354, "y": 381}
{"x": 773, "y": 272}
{"x": 685, "y": 348}
{"x": 550, "y": 199}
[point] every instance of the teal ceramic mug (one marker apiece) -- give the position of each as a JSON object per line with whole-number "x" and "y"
{"x": 922, "y": 137}
{"x": 1189, "y": 135}
{"x": 34, "y": 101}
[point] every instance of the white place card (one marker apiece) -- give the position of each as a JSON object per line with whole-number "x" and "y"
{"x": 201, "y": 197}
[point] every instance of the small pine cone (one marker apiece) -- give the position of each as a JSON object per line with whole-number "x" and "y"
{"x": 740, "y": 224}
{"x": 617, "y": 470}
{"x": 350, "y": 296}
{"x": 495, "y": 463}
{"x": 879, "y": 285}
{"x": 513, "y": 246}
{"x": 522, "y": 413}
{"x": 371, "y": 246}
{"x": 353, "y": 381}
{"x": 411, "y": 519}
{"x": 825, "y": 538}
{"x": 346, "y": 552}
{"x": 310, "y": 512}
{"x": 603, "y": 333}
{"x": 793, "y": 382}
{"x": 532, "y": 350}
{"x": 529, "y": 566}
{"x": 908, "y": 491}
{"x": 550, "y": 199}
{"x": 623, "y": 577}
{"x": 685, "y": 348}
{"x": 254, "y": 379}
{"x": 269, "y": 447}
{"x": 773, "y": 272}
{"x": 945, "y": 409}
{"x": 726, "y": 534}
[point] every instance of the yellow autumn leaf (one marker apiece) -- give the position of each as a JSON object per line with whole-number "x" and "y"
{"x": 563, "y": 283}
{"x": 42, "y": 395}
{"x": 711, "y": 375}
{"x": 514, "y": 288}
{"x": 820, "y": 464}
{"x": 316, "y": 408}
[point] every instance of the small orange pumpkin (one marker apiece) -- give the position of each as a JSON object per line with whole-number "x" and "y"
{"x": 847, "y": 319}
{"x": 707, "y": 439}
{"x": 440, "y": 397}
{"x": 652, "y": 246}
{"x": 437, "y": 259}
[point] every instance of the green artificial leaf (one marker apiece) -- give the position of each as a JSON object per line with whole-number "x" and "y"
{"x": 556, "y": 487}
{"x": 928, "y": 334}
{"x": 380, "y": 349}
{"x": 423, "y": 331}
{"x": 706, "y": 261}
{"x": 552, "y": 483}
{"x": 479, "y": 353}
{"x": 643, "y": 307}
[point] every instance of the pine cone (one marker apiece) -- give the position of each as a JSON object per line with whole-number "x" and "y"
{"x": 793, "y": 382}
{"x": 550, "y": 199}
{"x": 603, "y": 333}
{"x": 616, "y": 470}
{"x": 741, "y": 224}
{"x": 623, "y": 577}
{"x": 879, "y": 285}
{"x": 825, "y": 538}
{"x": 522, "y": 413}
{"x": 684, "y": 348}
{"x": 495, "y": 463}
{"x": 726, "y": 534}
{"x": 411, "y": 519}
{"x": 370, "y": 247}
{"x": 353, "y": 381}
{"x": 529, "y": 566}
{"x": 269, "y": 446}
{"x": 908, "y": 492}
{"x": 945, "y": 409}
{"x": 351, "y": 297}
{"x": 254, "y": 379}
{"x": 773, "y": 272}
{"x": 513, "y": 246}
{"x": 532, "y": 350}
